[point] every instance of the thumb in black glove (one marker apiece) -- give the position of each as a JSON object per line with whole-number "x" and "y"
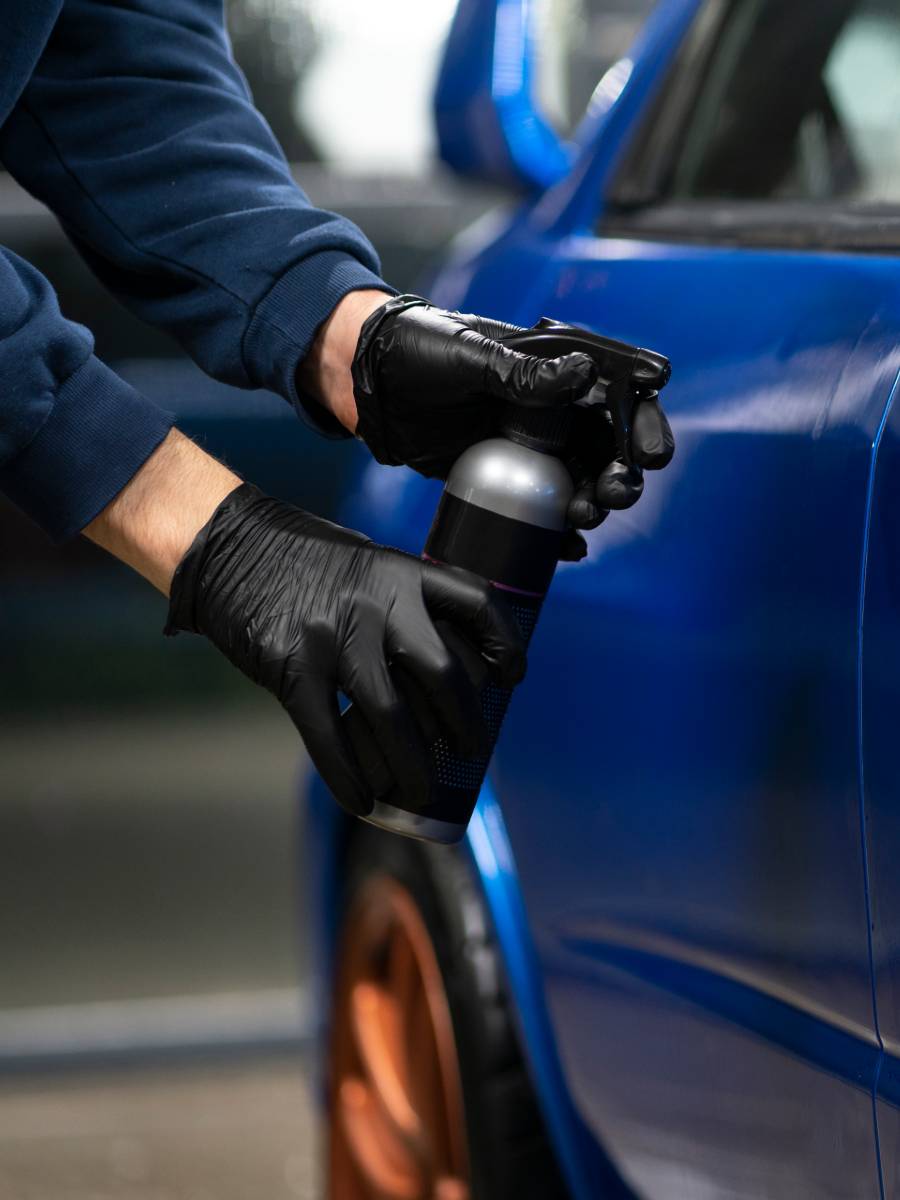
{"x": 308, "y": 609}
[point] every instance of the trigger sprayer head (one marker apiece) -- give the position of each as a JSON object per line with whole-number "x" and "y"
{"x": 625, "y": 373}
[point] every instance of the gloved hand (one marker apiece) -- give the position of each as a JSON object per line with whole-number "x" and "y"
{"x": 307, "y": 609}
{"x": 428, "y": 384}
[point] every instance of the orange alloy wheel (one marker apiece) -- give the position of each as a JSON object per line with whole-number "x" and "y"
{"x": 396, "y": 1119}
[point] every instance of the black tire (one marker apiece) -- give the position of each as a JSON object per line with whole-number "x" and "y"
{"x": 510, "y": 1154}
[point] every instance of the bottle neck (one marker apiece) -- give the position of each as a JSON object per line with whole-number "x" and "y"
{"x": 543, "y": 429}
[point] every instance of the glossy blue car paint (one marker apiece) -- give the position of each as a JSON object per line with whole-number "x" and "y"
{"x": 699, "y": 821}
{"x": 879, "y": 676}
{"x": 487, "y": 840}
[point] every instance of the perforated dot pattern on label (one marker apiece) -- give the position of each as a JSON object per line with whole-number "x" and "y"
{"x": 468, "y": 773}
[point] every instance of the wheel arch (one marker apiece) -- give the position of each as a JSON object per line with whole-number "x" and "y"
{"x": 327, "y": 840}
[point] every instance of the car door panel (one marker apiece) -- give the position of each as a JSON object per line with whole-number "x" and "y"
{"x": 679, "y": 774}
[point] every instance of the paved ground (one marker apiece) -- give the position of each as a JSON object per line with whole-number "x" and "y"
{"x": 152, "y": 854}
{"x": 243, "y": 1131}
{"x": 149, "y": 890}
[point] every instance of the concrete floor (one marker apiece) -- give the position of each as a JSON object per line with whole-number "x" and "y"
{"x": 150, "y": 854}
{"x": 150, "y": 897}
{"x": 239, "y": 1131}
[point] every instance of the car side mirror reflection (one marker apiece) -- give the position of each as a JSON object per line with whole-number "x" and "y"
{"x": 489, "y": 123}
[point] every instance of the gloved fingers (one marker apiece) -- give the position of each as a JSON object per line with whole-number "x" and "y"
{"x": 591, "y": 443}
{"x": 413, "y": 694}
{"x": 529, "y": 380}
{"x": 574, "y": 547}
{"x": 619, "y": 486}
{"x": 652, "y": 441}
{"x": 476, "y": 609}
{"x": 369, "y": 685}
{"x": 442, "y": 681}
{"x": 315, "y": 713}
{"x": 476, "y": 669}
{"x": 584, "y": 510}
{"x": 377, "y": 773}
{"x": 490, "y": 328}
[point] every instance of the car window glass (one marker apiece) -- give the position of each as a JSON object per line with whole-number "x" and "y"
{"x": 578, "y": 41}
{"x": 862, "y": 76}
{"x": 798, "y": 102}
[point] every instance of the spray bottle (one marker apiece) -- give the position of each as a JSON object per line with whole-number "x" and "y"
{"x": 502, "y": 514}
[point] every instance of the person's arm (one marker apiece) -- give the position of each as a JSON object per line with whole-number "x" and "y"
{"x": 151, "y": 523}
{"x": 326, "y": 373}
{"x": 72, "y": 433}
{"x": 138, "y": 131}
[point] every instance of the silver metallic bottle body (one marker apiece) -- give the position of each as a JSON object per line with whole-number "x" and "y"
{"x": 502, "y": 514}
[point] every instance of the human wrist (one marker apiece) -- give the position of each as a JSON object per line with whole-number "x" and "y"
{"x": 152, "y": 522}
{"x": 325, "y": 372}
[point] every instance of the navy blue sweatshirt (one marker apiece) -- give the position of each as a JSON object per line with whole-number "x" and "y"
{"x": 130, "y": 120}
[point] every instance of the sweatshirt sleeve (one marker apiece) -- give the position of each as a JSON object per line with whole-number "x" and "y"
{"x": 72, "y": 433}
{"x": 138, "y": 131}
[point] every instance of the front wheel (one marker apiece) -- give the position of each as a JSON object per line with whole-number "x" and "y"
{"x": 429, "y": 1098}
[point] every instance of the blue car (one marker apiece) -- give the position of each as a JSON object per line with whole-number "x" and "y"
{"x": 665, "y": 963}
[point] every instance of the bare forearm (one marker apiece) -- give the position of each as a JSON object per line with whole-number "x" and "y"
{"x": 326, "y": 371}
{"x": 151, "y": 523}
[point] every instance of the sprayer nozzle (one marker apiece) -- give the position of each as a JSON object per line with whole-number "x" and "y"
{"x": 650, "y": 370}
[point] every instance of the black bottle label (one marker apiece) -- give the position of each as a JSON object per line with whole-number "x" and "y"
{"x": 459, "y": 779}
{"x": 513, "y": 555}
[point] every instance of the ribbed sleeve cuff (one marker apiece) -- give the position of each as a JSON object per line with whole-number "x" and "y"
{"x": 99, "y": 433}
{"x": 286, "y": 320}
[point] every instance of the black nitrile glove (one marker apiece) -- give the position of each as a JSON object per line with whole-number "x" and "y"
{"x": 307, "y": 609}
{"x": 428, "y": 384}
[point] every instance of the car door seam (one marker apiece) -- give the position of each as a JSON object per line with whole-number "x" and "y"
{"x": 860, "y": 638}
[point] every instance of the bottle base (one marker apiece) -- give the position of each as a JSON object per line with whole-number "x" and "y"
{"x": 415, "y": 825}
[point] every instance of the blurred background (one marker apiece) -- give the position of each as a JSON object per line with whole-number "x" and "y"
{"x": 153, "y": 1014}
